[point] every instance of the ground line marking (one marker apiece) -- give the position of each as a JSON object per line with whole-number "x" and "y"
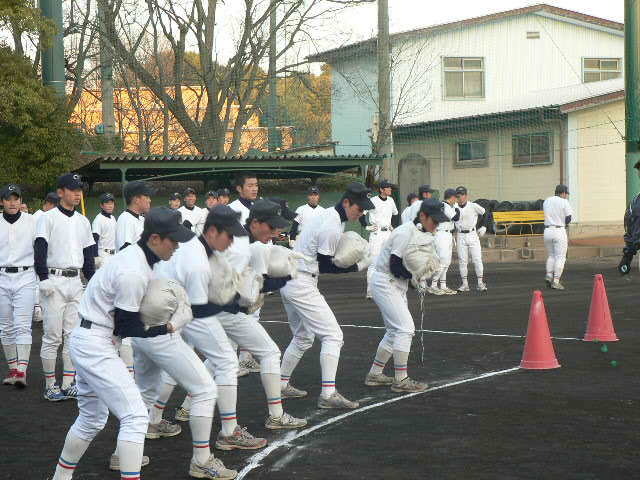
{"x": 440, "y": 332}
{"x": 254, "y": 460}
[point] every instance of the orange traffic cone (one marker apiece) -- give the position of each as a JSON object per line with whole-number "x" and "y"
{"x": 600, "y": 325}
{"x": 538, "y": 350}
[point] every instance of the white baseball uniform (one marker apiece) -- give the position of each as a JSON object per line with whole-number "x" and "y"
{"x": 104, "y": 228}
{"x": 444, "y": 245}
{"x": 37, "y": 214}
{"x": 468, "y": 240}
{"x": 69, "y": 248}
{"x": 380, "y": 218}
{"x": 194, "y": 216}
{"x": 305, "y": 213}
{"x": 17, "y": 289}
{"x": 406, "y": 217}
{"x": 556, "y": 210}
{"x": 128, "y": 228}
{"x": 243, "y": 206}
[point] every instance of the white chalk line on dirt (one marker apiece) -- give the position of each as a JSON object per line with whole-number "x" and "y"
{"x": 254, "y": 460}
{"x": 439, "y": 332}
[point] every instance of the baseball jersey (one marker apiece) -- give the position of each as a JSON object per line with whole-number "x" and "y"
{"x": 128, "y": 228}
{"x": 406, "y": 217}
{"x": 193, "y": 215}
{"x": 37, "y": 214}
{"x": 468, "y": 216}
{"x": 414, "y": 209}
{"x": 450, "y": 212}
{"x": 242, "y": 206}
{"x": 17, "y": 241}
{"x": 385, "y": 209}
{"x": 305, "y": 213}
{"x": 556, "y": 209}
{"x": 104, "y": 226}
{"x": 66, "y": 236}
{"x": 321, "y": 236}
{"x": 120, "y": 283}
{"x": 396, "y": 245}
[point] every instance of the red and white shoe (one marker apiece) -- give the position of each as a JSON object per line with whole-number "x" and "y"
{"x": 10, "y": 379}
{"x": 20, "y": 379}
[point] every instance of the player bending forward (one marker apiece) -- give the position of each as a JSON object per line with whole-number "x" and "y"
{"x": 389, "y": 286}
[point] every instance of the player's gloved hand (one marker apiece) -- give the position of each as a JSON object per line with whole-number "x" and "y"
{"x": 364, "y": 263}
{"x": 482, "y": 231}
{"x": 292, "y": 243}
{"x": 46, "y": 287}
{"x": 624, "y": 267}
{"x": 371, "y": 228}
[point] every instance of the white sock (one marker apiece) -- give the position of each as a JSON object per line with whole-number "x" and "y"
{"x": 443, "y": 285}
{"x": 157, "y": 409}
{"x": 244, "y": 356}
{"x": 400, "y": 360}
{"x": 126, "y": 354}
{"x": 271, "y": 385}
{"x": 290, "y": 359}
{"x": 24, "y": 352}
{"x": 464, "y": 281}
{"x": 328, "y": 367}
{"x": 69, "y": 371}
{"x": 186, "y": 404}
{"x": 11, "y": 355}
{"x": 382, "y": 357}
{"x": 72, "y": 452}
{"x": 480, "y": 282}
{"x": 227, "y": 400}
{"x": 49, "y": 370}
{"x": 130, "y": 455}
{"x": 200, "y": 435}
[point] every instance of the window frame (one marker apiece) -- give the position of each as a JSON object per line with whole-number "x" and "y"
{"x": 600, "y": 70}
{"x": 549, "y": 135}
{"x": 445, "y": 70}
{"x": 477, "y": 162}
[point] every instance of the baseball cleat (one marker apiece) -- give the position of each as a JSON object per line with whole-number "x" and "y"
{"x": 213, "y": 468}
{"x": 448, "y": 291}
{"x": 408, "y": 385}
{"x": 243, "y": 372}
{"x": 377, "y": 380}
{"x": 283, "y": 422}
{"x": 336, "y": 401}
{"x": 114, "y": 462}
{"x": 240, "y": 439}
{"x": 251, "y": 365}
{"x": 557, "y": 286}
{"x": 53, "y": 394}
{"x": 434, "y": 291}
{"x": 482, "y": 287}
{"x": 10, "y": 379}
{"x": 70, "y": 393}
{"x": 292, "y": 392}
{"x": 20, "y": 379}
{"x": 463, "y": 288}
{"x": 164, "y": 429}
{"x": 182, "y": 415}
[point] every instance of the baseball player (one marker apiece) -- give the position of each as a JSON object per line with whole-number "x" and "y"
{"x": 223, "y": 196}
{"x": 468, "y": 240}
{"x": 390, "y": 282}
{"x": 406, "y": 213}
{"x": 63, "y": 247}
{"x": 557, "y": 215}
{"x": 175, "y": 201}
{"x": 305, "y": 213}
{"x": 211, "y": 200}
{"x": 307, "y": 310}
{"x": 24, "y": 208}
{"x": 104, "y": 229}
{"x": 444, "y": 244}
{"x": 50, "y": 201}
{"x": 17, "y": 284}
{"x": 247, "y": 188}
{"x": 192, "y": 215}
{"x": 631, "y": 232}
{"x": 380, "y": 224}
{"x": 109, "y": 311}
{"x": 424, "y": 192}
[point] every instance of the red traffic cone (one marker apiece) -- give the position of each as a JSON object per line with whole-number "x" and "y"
{"x": 600, "y": 325}
{"x": 538, "y": 350}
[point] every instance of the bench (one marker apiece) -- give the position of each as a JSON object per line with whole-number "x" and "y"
{"x": 505, "y": 220}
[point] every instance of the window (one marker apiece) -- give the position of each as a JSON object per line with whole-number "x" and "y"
{"x": 597, "y": 69}
{"x": 463, "y": 77}
{"x": 533, "y": 149}
{"x": 472, "y": 152}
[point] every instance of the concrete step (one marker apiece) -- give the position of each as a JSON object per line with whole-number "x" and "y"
{"x": 504, "y": 255}
{"x": 502, "y": 241}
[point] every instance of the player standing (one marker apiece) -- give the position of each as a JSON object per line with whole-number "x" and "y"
{"x": 557, "y": 215}
{"x": 468, "y": 239}
{"x": 247, "y": 188}
{"x": 405, "y": 217}
{"x": 191, "y": 213}
{"x": 175, "y": 200}
{"x": 223, "y": 196}
{"x": 17, "y": 284}
{"x": 104, "y": 229}
{"x": 444, "y": 244}
{"x": 305, "y": 213}
{"x": 63, "y": 247}
{"x": 50, "y": 201}
{"x": 131, "y": 222}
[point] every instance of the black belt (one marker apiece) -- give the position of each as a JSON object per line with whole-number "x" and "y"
{"x": 14, "y": 269}
{"x": 385, "y": 229}
{"x": 109, "y": 251}
{"x": 86, "y": 323}
{"x": 552, "y": 226}
{"x": 65, "y": 272}
{"x": 468, "y": 231}
{"x": 447, "y": 231}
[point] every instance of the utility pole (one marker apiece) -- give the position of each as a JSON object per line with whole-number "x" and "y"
{"x": 384, "y": 142}
{"x": 53, "y": 57}
{"x": 272, "y": 108}
{"x": 106, "y": 78}
{"x": 632, "y": 93}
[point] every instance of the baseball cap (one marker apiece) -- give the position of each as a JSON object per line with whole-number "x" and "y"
{"x": 313, "y": 190}
{"x": 224, "y": 192}
{"x": 168, "y": 223}
{"x": 435, "y": 209}
{"x": 287, "y": 213}
{"x": 228, "y": 218}
{"x": 386, "y": 184}
{"x": 135, "y": 188}
{"x": 107, "y": 197}
{"x": 411, "y": 196}
{"x": 562, "y": 189}
{"x": 424, "y": 189}
{"x": 269, "y": 212}
{"x": 70, "y": 181}
{"x": 212, "y": 193}
{"x": 52, "y": 197}
{"x": 461, "y": 190}
{"x": 449, "y": 192}
{"x": 360, "y": 195}
{"x": 175, "y": 196}
{"x": 11, "y": 189}
{"x": 189, "y": 191}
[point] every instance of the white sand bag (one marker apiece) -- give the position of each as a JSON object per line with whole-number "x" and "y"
{"x": 420, "y": 256}
{"x": 249, "y": 286}
{"x": 350, "y": 250}
{"x": 165, "y": 301}
{"x": 224, "y": 280}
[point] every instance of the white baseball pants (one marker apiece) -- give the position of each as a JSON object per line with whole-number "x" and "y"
{"x": 390, "y": 294}
{"x": 469, "y": 244}
{"x": 556, "y": 243}
{"x": 104, "y": 385}
{"x": 376, "y": 241}
{"x": 17, "y": 299}
{"x": 60, "y": 311}
{"x": 444, "y": 249}
{"x": 169, "y": 353}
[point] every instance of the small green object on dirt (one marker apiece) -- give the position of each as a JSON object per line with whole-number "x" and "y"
{"x": 604, "y": 348}
{"x": 614, "y": 363}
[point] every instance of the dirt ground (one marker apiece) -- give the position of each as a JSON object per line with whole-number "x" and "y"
{"x": 576, "y": 422}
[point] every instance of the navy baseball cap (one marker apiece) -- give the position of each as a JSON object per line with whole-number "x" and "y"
{"x": 212, "y": 193}
{"x": 360, "y": 195}
{"x": 435, "y": 209}
{"x": 70, "y": 181}
{"x": 424, "y": 189}
{"x": 189, "y": 191}
{"x": 313, "y": 190}
{"x": 52, "y": 197}
{"x": 386, "y": 184}
{"x": 287, "y": 213}
{"x": 135, "y": 188}
{"x": 224, "y": 192}
{"x": 175, "y": 196}
{"x": 11, "y": 189}
{"x": 269, "y": 212}
{"x": 449, "y": 192}
{"x": 168, "y": 223}
{"x": 461, "y": 190}
{"x": 227, "y": 218}
{"x": 107, "y": 197}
